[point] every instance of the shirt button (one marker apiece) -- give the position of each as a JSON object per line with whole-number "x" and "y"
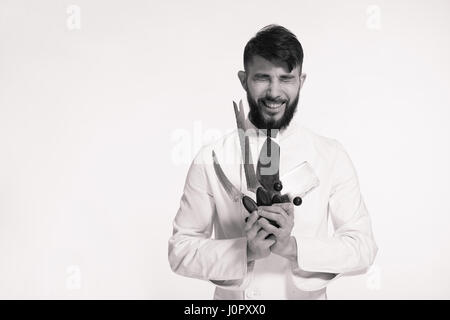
{"x": 252, "y": 293}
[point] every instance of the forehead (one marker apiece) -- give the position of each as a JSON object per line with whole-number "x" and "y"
{"x": 259, "y": 64}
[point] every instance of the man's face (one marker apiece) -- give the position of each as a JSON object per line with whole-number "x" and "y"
{"x": 272, "y": 92}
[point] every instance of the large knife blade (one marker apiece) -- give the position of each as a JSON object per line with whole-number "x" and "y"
{"x": 232, "y": 191}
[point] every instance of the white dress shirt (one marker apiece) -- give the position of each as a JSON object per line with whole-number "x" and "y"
{"x": 209, "y": 241}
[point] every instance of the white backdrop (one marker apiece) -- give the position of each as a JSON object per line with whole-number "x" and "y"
{"x": 104, "y": 103}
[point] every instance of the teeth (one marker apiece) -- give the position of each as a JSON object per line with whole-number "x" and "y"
{"x": 273, "y": 105}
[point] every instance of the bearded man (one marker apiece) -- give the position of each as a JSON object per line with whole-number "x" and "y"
{"x": 280, "y": 249}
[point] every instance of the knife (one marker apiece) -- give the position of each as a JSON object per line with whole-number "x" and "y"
{"x": 232, "y": 191}
{"x": 249, "y": 169}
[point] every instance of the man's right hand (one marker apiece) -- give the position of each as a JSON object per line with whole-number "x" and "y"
{"x": 258, "y": 246}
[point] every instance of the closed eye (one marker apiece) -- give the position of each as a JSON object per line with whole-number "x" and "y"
{"x": 263, "y": 77}
{"x": 287, "y": 78}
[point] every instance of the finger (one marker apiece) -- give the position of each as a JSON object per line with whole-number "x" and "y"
{"x": 270, "y": 241}
{"x": 250, "y": 215}
{"x": 284, "y": 205}
{"x": 251, "y": 234}
{"x": 261, "y": 235}
{"x": 268, "y": 227}
{"x": 251, "y": 220}
{"x": 275, "y": 208}
{"x": 277, "y": 217}
{"x": 287, "y": 207}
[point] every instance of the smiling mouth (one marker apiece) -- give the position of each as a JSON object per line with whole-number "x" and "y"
{"x": 273, "y": 107}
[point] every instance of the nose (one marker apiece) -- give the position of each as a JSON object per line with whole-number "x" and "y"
{"x": 274, "y": 89}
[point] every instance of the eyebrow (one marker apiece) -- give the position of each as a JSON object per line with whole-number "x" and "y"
{"x": 284, "y": 76}
{"x": 261, "y": 75}
{"x": 287, "y": 76}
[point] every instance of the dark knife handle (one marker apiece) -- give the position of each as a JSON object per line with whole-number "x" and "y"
{"x": 263, "y": 197}
{"x": 249, "y": 204}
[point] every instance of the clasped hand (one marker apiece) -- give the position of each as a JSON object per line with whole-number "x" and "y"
{"x": 263, "y": 237}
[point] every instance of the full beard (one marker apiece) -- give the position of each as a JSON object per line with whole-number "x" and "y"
{"x": 260, "y": 122}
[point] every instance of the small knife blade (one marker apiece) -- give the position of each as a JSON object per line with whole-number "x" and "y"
{"x": 249, "y": 169}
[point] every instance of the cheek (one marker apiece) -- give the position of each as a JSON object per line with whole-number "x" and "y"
{"x": 292, "y": 91}
{"x": 257, "y": 90}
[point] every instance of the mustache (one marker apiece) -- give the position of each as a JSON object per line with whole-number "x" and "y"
{"x": 260, "y": 122}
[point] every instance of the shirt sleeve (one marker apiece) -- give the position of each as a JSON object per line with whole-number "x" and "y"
{"x": 192, "y": 252}
{"x": 352, "y": 247}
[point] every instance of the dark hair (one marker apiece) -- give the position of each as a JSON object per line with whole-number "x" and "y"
{"x": 275, "y": 42}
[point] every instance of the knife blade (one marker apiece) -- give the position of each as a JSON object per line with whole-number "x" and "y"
{"x": 232, "y": 191}
{"x": 249, "y": 169}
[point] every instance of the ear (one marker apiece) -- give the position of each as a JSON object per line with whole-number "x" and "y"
{"x": 243, "y": 78}
{"x": 302, "y": 79}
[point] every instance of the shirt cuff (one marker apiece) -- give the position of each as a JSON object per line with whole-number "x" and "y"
{"x": 309, "y": 280}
